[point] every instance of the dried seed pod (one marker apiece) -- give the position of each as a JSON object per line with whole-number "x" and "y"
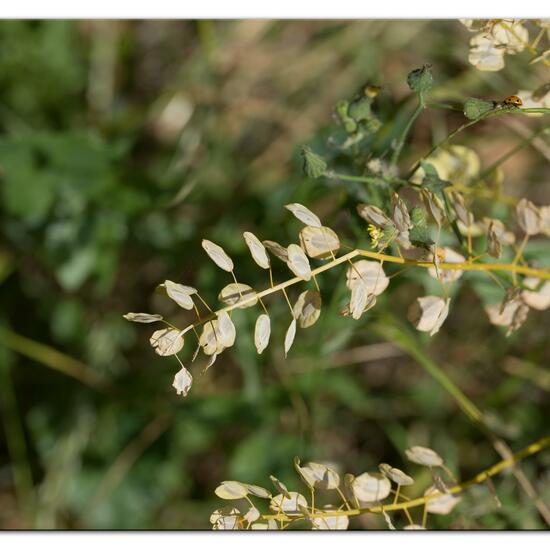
{"x": 317, "y": 475}
{"x": 231, "y": 490}
{"x": 539, "y": 295}
{"x": 257, "y": 250}
{"x": 369, "y": 273}
{"x": 373, "y": 215}
{"x": 289, "y": 336}
{"x": 462, "y": 212}
{"x": 210, "y": 339}
{"x": 396, "y": 475}
{"x": 305, "y": 215}
{"x": 181, "y": 294}
{"x": 494, "y": 246}
{"x": 319, "y": 242}
{"x": 167, "y": 341}
{"x": 288, "y": 504}
{"x": 307, "y": 308}
{"x": 424, "y": 456}
{"x": 359, "y": 299}
{"x": 433, "y": 205}
{"x": 217, "y": 255}
{"x": 226, "y": 330}
{"x": 428, "y": 313}
{"x": 447, "y": 255}
{"x": 528, "y": 216}
{"x": 143, "y": 317}
{"x": 239, "y": 295}
{"x": 401, "y": 216}
{"x": 371, "y": 487}
{"x": 183, "y": 381}
{"x": 277, "y": 250}
{"x": 262, "y": 332}
{"x": 298, "y": 262}
{"x": 440, "y": 505}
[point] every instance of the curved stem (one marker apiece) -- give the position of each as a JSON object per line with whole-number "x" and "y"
{"x": 463, "y": 266}
{"x": 482, "y": 476}
{"x": 420, "y": 107}
{"x": 490, "y": 114}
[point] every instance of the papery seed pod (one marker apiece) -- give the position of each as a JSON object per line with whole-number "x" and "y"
{"x": 298, "y": 262}
{"x": 289, "y": 336}
{"x": 319, "y": 242}
{"x": 183, "y": 381}
{"x": 401, "y": 216}
{"x": 424, "y": 456}
{"x": 226, "y": 329}
{"x": 280, "y": 486}
{"x": 210, "y": 339}
{"x": 462, "y": 212}
{"x": 528, "y": 216}
{"x": 231, "y": 490}
{"x": 257, "y": 250}
{"x": 143, "y": 317}
{"x": 433, "y": 206}
{"x": 447, "y": 255}
{"x": 440, "y": 505}
{"x": 238, "y": 295}
{"x": 262, "y": 332}
{"x": 396, "y": 475}
{"x": 359, "y": 299}
{"x": 539, "y": 295}
{"x": 218, "y": 255}
{"x": 282, "y": 503}
{"x": 166, "y": 341}
{"x": 305, "y": 215}
{"x": 277, "y": 250}
{"x": 307, "y": 308}
{"x": 494, "y": 247}
{"x": 373, "y": 215}
{"x": 369, "y": 273}
{"x": 429, "y": 313}
{"x": 181, "y": 294}
{"x": 371, "y": 487}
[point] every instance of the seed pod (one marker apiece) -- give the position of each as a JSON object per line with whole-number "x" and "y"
{"x": 166, "y": 341}
{"x": 307, "y": 308}
{"x": 528, "y": 216}
{"x": 298, "y": 262}
{"x": 319, "y": 242}
{"x": 239, "y": 295}
{"x": 262, "y": 332}
{"x": 257, "y": 250}
{"x": 217, "y": 255}
{"x": 305, "y": 215}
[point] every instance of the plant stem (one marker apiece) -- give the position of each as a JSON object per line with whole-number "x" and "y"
{"x": 482, "y": 476}
{"x": 420, "y": 107}
{"x": 463, "y": 266}
{"x": 490, "y": 114}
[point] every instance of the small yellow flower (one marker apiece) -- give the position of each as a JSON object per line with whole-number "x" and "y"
{"x": 375, "y": 234}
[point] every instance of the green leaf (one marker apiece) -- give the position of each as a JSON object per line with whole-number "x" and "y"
{"x": 314, "y": 165}
{"x": 419, "y": 235}
{"x": 431, "y": 180}
{"x": 420, "y": 80}
{"x": 475, "y": 108}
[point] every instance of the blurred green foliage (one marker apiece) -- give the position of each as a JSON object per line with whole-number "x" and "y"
{"x": 122, "y": 145}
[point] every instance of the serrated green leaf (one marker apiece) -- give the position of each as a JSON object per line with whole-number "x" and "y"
{"x": 475, "y": 108}
{"x": 314, "y": 165}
